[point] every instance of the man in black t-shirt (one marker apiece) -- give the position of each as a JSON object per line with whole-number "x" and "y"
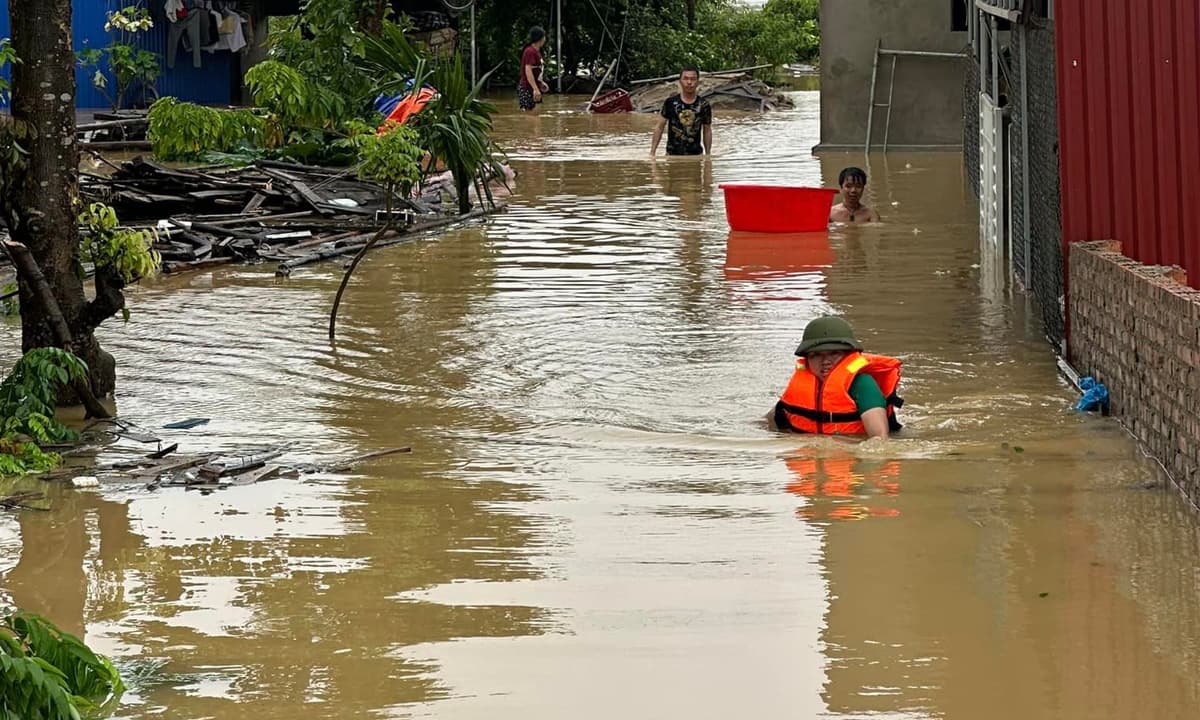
{"x": 687, "y": 118}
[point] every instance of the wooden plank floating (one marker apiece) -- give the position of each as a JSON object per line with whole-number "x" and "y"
{"x": 233, "y": 466}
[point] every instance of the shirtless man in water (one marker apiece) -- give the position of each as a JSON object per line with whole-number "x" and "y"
{"x": 852, "y": 181}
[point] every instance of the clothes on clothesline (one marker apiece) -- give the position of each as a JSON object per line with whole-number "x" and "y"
{"x": 231, "y": 35}
{"x": 211, "y": 25}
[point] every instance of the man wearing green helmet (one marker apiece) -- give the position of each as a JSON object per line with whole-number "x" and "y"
{"x": 836, "y": 388}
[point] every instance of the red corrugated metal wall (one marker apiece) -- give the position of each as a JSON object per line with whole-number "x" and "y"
{"x": 1129, "y": 126}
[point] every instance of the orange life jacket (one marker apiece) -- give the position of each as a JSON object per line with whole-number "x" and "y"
{"x": 826, "y": 408}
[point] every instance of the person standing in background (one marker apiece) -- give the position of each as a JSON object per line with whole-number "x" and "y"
{"x": 531, "y": 86}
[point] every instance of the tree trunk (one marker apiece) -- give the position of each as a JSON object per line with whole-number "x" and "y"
{"x": 40, "y": 195}
{"x": 462, "y": 183}
{"x": 691, "y": 14}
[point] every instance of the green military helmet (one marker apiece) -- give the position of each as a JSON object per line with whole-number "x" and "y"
{"x": 827, "y": 333}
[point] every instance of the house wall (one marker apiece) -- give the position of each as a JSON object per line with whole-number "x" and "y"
{"x": 1136, "y": 328}
{"x": 927, "y": 106}
{"x": 216, "y": 82}
{"x": 1129, "y": 94}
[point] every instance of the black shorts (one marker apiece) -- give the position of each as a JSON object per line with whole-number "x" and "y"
{"x": 525, "y": 97}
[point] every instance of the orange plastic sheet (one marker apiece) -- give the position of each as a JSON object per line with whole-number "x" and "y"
{"x": 408, "y": 106}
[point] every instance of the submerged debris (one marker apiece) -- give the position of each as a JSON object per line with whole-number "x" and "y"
{"x": 205, "y": 471}
{"x": 18, "y": 501}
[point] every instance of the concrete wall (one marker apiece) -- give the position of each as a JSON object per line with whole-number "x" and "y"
{"x": 1136, "y": 328}
{"x": 927, "y": 106}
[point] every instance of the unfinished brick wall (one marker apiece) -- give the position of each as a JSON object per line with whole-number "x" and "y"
{"x": 1136, "y": 328}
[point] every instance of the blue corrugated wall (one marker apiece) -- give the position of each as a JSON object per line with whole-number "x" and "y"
{"x": 213, "y": 84}
{"x": 3, "y": 34}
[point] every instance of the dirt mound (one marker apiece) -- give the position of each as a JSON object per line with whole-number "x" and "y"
{"x": 724, "y": 92}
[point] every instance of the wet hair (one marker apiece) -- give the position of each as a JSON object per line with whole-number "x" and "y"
{"x": 852, "y": 173}
{"x": 688, "y": 69}
{"x": 536, "y": 33}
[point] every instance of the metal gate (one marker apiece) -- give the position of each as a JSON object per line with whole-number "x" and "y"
{"x": 991, "y": 173}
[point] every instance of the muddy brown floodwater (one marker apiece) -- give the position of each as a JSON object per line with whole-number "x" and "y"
{"x": 594, "y": 522}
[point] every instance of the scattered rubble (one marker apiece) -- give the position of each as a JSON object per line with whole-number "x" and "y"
{"x": 21, "y": 500}
{"x": 268, "y": 211}
{"x": 204, "y": 471}
{"x": 122, "y": 130}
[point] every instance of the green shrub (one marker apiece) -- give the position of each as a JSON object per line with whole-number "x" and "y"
{"x": 185, "y": 131}
{"x": 128, "y": 253}
{"x": 29, "y": 393}
{"x": 48, "y": 674}
{"x": 392, "y": 159}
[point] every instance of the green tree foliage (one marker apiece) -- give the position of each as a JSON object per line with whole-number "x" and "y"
{"x": 798, "y": 10}
{"x": 28, "y": 395}
{"x": 503, "y": 28}
{"x": 776, "y": 34}
{"x": 658, "y": 40}
{"x": 128, "y": 254}
{"x": 324, "y": 44}
{"x": 48, "y": 674}
{"x": 661, "y": 43}
{"x": 292, "y": 100}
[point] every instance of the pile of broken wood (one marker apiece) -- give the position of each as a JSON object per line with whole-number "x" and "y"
{"x": 119, "y": 130}
{"x": 268, "y": 211}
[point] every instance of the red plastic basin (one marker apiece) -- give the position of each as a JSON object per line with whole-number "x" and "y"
{"x": 777, "y": 208}
{"x": 613, "y": 101}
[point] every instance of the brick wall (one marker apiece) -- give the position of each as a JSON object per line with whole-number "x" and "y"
{"x": 1136, "y": 328}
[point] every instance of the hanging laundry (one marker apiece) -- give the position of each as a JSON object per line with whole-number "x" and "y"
{"x": 232, "y": 37}
{"x": 191, "y": 26}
